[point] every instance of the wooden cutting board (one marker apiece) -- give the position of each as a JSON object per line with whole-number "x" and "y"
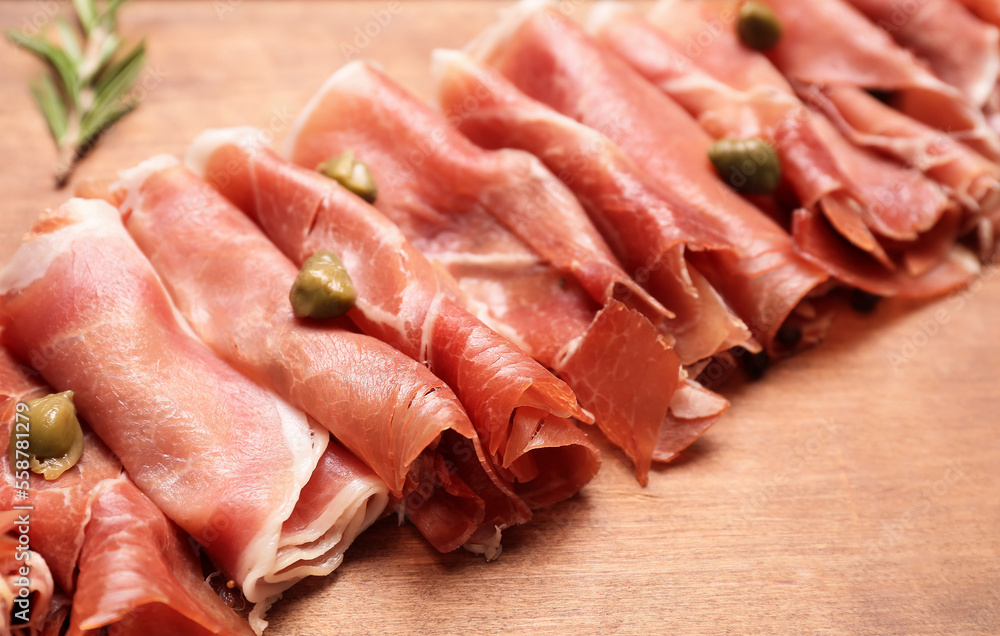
{"x": 855, "y": 489}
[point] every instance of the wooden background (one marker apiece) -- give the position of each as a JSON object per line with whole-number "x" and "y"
{"x": 856, "y": 489}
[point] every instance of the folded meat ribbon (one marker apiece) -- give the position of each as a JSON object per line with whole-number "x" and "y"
{"x": 125, "y": 565}
{"x": 706, "y": 33}
{"x": 879, "y": 206}
{"x": 518, "y": 243}
{"x": 851, "y": 51}
{"x": 960, "y": 49}
{"x": 192, "y": 432}
{"x": 986, "y": 10}
{"x": 519, "y": 409}
{"x": 551, "y": 60}
{"x": 989, "y": 12}
{"x": 232, "y": 285}
{"x": 648, "y": 229}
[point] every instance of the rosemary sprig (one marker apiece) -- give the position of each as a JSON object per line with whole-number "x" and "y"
{"x": 86, "y": 87}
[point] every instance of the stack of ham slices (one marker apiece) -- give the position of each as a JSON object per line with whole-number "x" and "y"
{"x": 551, "y": 256}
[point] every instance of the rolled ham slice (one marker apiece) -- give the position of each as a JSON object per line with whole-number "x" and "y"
{"x": 248, "y": 476}
{"x": 93, "y": 533}
{"x": 960, "y": 49}
{"x": 519, "y": 409}
{"x": 769, "y": 112}
{"x": 987, "y": 10}
{"x": 232, "y": 285}
{"x": 861, "y": 117}
{"x": 649, "y": 229}
{"x": 849, "y": 50}
{"x": 551, "y": 60}
{"x": 515, "y": 239}
{"x": 880, "y": 207}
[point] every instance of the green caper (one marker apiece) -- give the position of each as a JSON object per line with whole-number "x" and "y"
{"x": 750, "y": 166}
{"x": 350, "y": 173}
{"x": 323, "y": 288}
{"x": 55, "y": 437}
{"x": 758, "y": 26}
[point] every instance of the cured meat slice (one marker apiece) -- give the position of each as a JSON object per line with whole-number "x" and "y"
{"x": 92, "y": 532}
{"x": 553, "y": 61}
{"x": 808, "y": 161}
{"x": 867, "y": 199}
{"x": 520, "y": 411}
{"x": 57, "y": 528}
{"x": 974, "y": 179}
{"x": 861, "y": 117}
{"x": 692, "y": 411}
{"x": 898, "y": 190}
{"x": 952, "y": 266}
{"x": 970, "y": 178}
{"x": 851, "y": 51}
{"x": 987, "y": 10}
{"x": 961, "y": 50}
{"x": 232, "y": 285}
{"x": 648, "y": 228}
{"x": 190, "y": 430}
{"x": 515, "y": 239}
{"x": 527, "y": 211}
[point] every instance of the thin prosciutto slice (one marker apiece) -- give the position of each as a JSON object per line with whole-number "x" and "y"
{"x": 849, "y": 50}
{"x": 553, "y": 61}
{"x": 774, "y": 113}
{"x": 868, "y": 200}
{"x": 969, "y": 177}
{"x": 959, "y": 48}
{"x": 649, "y": 230}
{"x": 873, "y": 128}
{"x": 104, "y": 543}
{"x": 249, "y": 477}
{"x": 987, "y": 10}
{"x": 232, "y": 285}
{"x": 515, "y": 239}
{"x": 520, "y": 411}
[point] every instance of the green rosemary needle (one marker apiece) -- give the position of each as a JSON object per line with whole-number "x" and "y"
{"x": 86, "y": 87}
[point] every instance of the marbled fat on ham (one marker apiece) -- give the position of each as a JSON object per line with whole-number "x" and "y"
{"x": 189, "y": 429}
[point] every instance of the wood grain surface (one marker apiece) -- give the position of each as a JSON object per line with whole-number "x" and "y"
{"x": 854, "y": 490}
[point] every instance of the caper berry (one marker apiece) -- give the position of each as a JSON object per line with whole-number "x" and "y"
{"x": 53, "y": 424}
{"x": 749, "y": 166}
{"x": 55, "y": 437}
{"x": 350, "y": 173}
{"x": 758, "y": 26}
{"x": 323, "y": 288}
